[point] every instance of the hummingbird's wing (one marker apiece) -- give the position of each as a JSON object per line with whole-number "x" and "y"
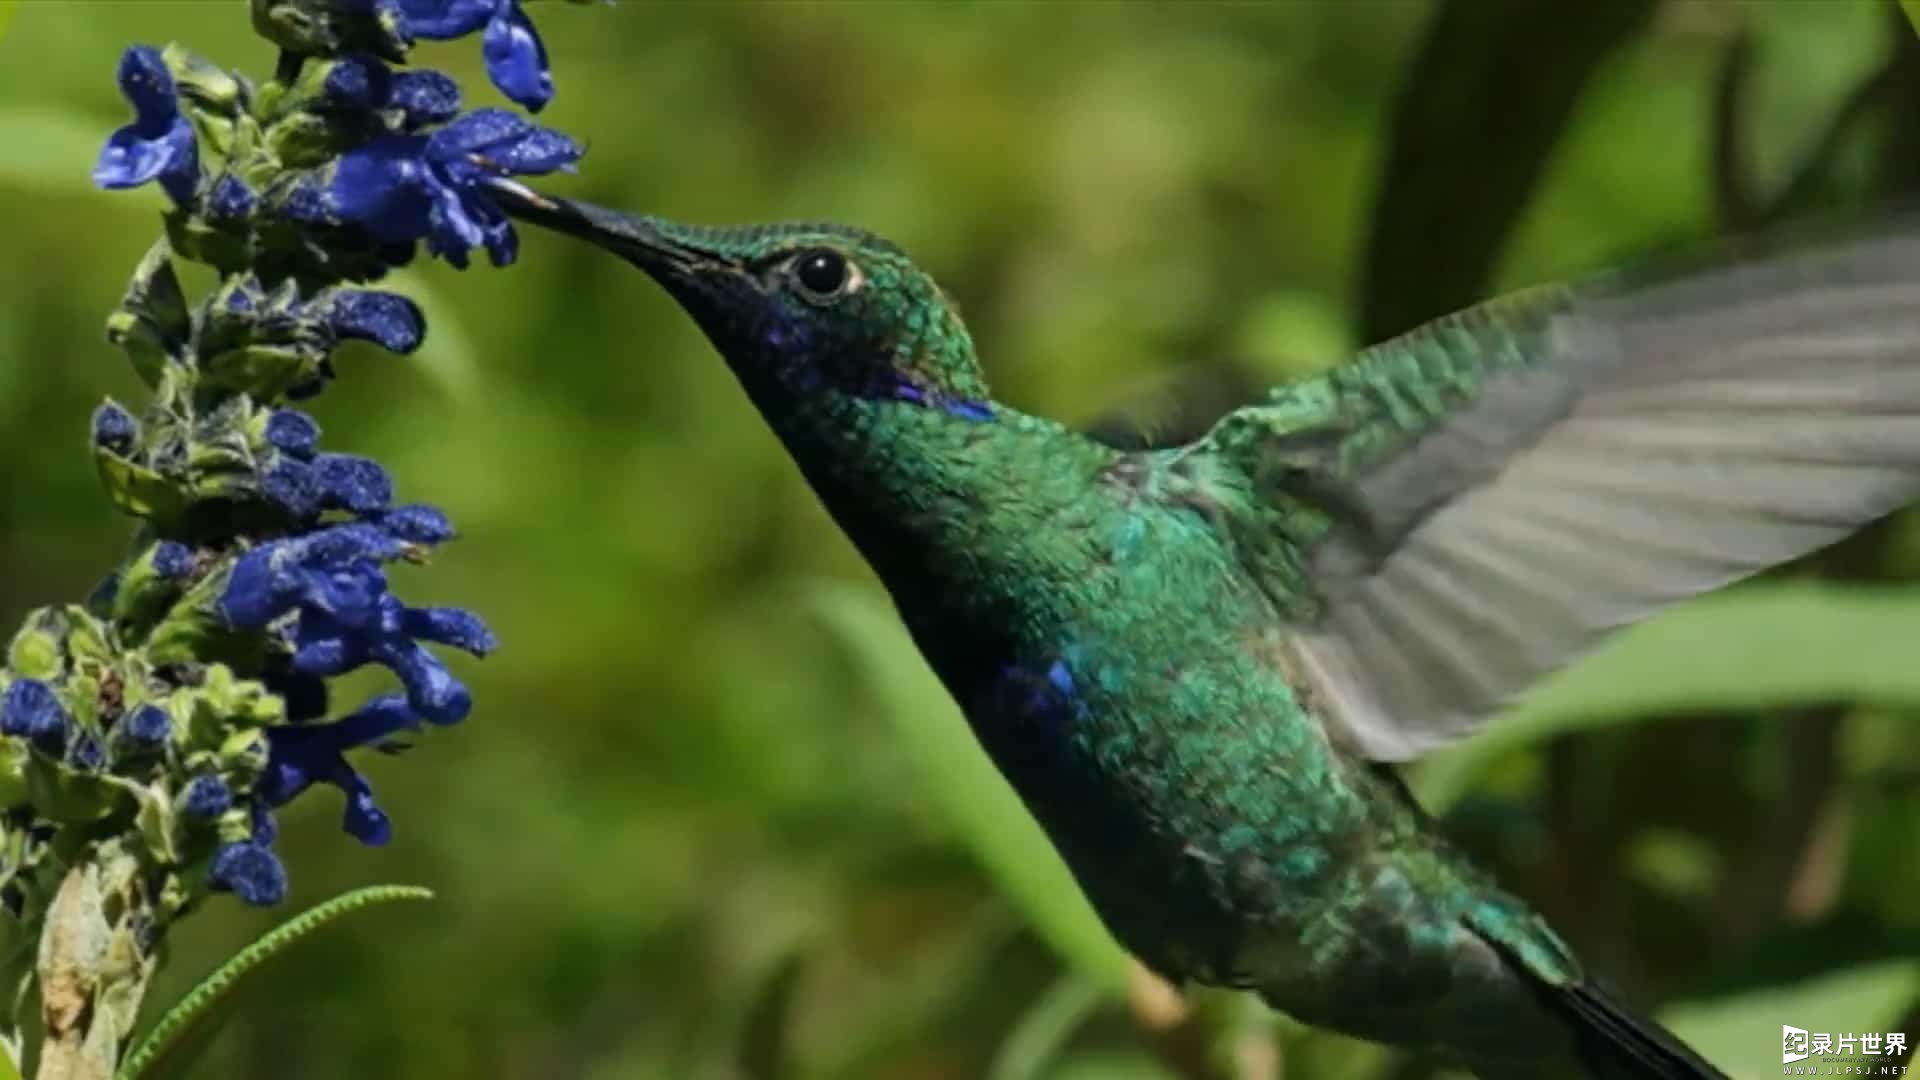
{"x": 1460, "y": 510}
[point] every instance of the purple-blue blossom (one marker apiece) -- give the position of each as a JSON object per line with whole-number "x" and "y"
{"x": 302, "y": 755}
{"x": 249, "y": 868}
{"x": 172, "y": 559}
{"x": 328, "y": 482}
{"x": 360, "y": 161}
{"x": 206, "y": 798}
{"x": 358, "y": 82}
{"x": 230, "y": 199}
{"x": 516, "y": 58}
{"x": 332, "y": 580}
{"x": 416, "y": 524}
{"x": 114, "y": 428}
{"x": 333, "y": 570}
{"x": 365, "y": 84}
{"x": 424, "y": 97}
{"x": 293, "y": 433}
{"x": 30, "y": 710}
{"x": 87, "y": 754}
{"x": 159, "y": 143}
{"x": 147, "y": 726}
{"x": 403, "y": 188}
{"x": 326, "y": 645}
{"x": 389, "y": 320}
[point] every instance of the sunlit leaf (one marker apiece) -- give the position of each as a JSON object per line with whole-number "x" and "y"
{"x": 1763, "y": 645}
{"x": 959, "y": 777}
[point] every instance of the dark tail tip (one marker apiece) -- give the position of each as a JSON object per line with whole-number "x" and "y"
{"x": 1618, "y": 1044}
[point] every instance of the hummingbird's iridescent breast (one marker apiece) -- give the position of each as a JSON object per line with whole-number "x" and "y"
{"x": 1140, "y": 716}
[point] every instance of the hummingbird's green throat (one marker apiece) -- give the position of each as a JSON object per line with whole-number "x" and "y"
{"x": 1196, "y": 665}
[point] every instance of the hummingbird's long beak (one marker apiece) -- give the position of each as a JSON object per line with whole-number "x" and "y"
{"x": 673, "y": 259}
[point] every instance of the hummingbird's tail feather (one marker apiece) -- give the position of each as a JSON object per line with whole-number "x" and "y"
{"x": 1611, "y": 1039}
{"x": 1619, "y": 1044}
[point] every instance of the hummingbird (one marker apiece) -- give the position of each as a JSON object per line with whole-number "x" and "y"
{"x": 1199, "y": 665}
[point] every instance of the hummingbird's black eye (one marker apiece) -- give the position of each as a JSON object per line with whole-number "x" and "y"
{"x": 822, "y": 272}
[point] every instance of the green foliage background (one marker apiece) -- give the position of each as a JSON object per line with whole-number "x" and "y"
{"x": 711, "y": 817}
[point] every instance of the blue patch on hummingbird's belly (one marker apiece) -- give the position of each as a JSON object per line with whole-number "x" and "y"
{"x": 1045, "y": 694}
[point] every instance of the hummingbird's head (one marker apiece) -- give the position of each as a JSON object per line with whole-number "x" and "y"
{"x": 801, "y": 312}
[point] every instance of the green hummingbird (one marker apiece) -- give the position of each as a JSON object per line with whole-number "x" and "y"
{"x": 1198, "y": 665}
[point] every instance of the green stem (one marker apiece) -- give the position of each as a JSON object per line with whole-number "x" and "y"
{"x": 174, "y": 1033}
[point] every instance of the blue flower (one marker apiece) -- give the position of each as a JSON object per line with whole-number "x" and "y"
{"x": 303, "y": 755}
{"x": 159, "y": 143}
{"x": 251, "y": 871}
{"x": 350, "y": 482}
{"x": 416, "y": 524}
{"x": 293, "y": 433}
{"x": 389, "y": 320}
{"x": 364, "y": 84}
{"x": 29, "y": 710}
{"x": 87, "y": 753}
{"x": 403, "y": 188}
{"x": 147, "y": 725}
{"x": 230, "y": 199}
{"x": 172, "y": 559}
{"x": 516, "y": 58}
{"x": 206, "y": 798}
{"x": 425, "y": 97}
{"x": 346, "y": 618}
{"x": 289, "y": 482}
{"x": 248, "y": 868}
{"x": 114, "y": 428}
{"x": 358, "y": 82}
{"x": 332, "y": 570}
{"x": 326, "y": 645}
{"x": 265, "y": 830}
{"x": 328, "y": 482}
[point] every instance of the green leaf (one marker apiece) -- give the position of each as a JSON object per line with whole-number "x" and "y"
{"x": 1483, "y": 107}
{"x": 765, "y": 1038}
{"x": 1046, "y": 1028}
{"x": 1741, "y": 1034}
{"x": 1912, "y": 8}
{"x": 136, "y": 489}
{"x": 963, "y": 781}
{"x": 188, "y": 1027}
{"x": 1764, "y": 645}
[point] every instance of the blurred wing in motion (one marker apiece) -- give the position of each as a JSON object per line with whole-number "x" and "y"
{"x": 1463, "y": 509}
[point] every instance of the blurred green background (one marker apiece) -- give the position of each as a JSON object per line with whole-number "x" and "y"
{"x": 710, "y": 817}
